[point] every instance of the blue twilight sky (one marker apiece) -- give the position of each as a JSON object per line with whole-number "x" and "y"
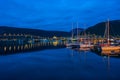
{"x": 57, "y": 14}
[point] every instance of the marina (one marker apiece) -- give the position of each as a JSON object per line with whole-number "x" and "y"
{"x": 20, "y": 43}
{"x": 52, "y": 59}
{"x": 59, "y": 40}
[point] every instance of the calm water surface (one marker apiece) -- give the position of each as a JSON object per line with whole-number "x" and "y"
{"x": 59, "y": 64}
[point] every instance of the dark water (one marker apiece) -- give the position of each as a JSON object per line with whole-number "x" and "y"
{"x": 59, "y": 64}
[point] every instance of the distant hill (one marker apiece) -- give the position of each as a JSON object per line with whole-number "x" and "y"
{"x": 99, "y": 28}
{"x": 36, "y": 32}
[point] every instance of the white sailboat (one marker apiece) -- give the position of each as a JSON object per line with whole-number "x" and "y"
{"x": 86, "y": 43}
{"x": 73, "y": 44}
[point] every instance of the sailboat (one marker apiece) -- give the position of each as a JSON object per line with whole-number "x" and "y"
{"x": 73, "y": 44}
{"x": 86, "y": 43}
{"x": 107, "y": 48}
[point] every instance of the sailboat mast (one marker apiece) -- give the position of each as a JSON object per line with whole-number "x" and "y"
{"x": 85, "y": 35}
{"x": 77, "y": 31}
{"x": 72, "y": 31}
{"x": 108, "y": 32}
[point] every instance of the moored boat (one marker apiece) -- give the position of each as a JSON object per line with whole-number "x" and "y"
{"x": 107, "y": 48}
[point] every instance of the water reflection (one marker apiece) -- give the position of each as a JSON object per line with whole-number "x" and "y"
{"x": 10, "y": 48}
{"x": 58, "y": 64}
{"x": 78, "y": 56}
{"x": 5, "y": 48}
{"x": 106, "y": 59}
{"x": 55, "y": 43}
{"x": 84, "y": 59}
{"x": 14, "y": 48}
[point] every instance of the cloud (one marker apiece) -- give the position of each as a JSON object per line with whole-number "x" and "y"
{"x": 57, "y": 14}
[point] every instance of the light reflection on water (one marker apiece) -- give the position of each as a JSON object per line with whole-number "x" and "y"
{"x": 29, "y": 47}
{"x": 57, "y": 64}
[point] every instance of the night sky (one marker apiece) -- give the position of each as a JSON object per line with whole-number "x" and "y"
{"x": 57, "y": 14}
